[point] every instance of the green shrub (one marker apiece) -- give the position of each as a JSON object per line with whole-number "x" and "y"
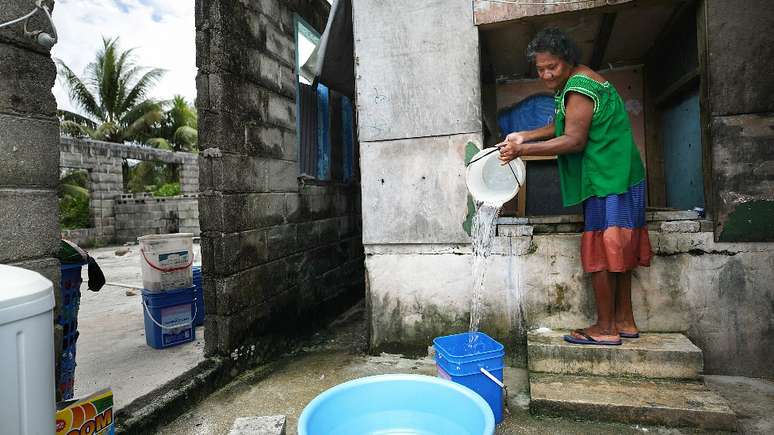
{"x": 168, "y": 189}
{"x": 74, "y": 212}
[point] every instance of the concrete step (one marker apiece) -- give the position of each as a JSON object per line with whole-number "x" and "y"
{"x": 627, "y": 400}
{"x": 653, "y": 355}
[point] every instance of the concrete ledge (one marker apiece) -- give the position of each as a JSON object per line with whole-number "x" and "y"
{"x": 667, "y": 403}
{"x": 165, "y": 403}
{"x": 654, "y": 355}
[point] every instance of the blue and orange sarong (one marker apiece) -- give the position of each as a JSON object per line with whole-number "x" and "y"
{"x": 615, "y": 234}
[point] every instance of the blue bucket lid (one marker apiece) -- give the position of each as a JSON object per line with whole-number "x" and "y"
{"x": 457, "y": 348}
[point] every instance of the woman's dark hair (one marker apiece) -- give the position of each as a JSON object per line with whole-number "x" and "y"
{"x": 556, "y": 42}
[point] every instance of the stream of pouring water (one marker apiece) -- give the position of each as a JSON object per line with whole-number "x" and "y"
{"x": 483, "y": 232}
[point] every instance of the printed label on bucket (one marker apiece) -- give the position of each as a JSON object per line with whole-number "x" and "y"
{"x": 176, "y": 279}
{"x": 178, "y": 319}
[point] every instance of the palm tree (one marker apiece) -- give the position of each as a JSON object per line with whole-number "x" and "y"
{"x": 112, "y": 95}
{"x": 177, "y": 128}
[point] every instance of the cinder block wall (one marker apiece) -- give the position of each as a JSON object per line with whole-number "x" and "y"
{"x": 103, "y": 161}
{"x": 29, "y": 152}
{"x": 141, "y": 214}
{"x": 278, "y": 255}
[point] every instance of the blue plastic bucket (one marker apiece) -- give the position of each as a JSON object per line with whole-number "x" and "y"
{"x": 169, "y": 317}
{"x": 199, "y": 294}
{"x": 471, "y": 363}
{"x": 397, "y": 404}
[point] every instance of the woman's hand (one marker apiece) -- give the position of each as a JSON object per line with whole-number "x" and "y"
{"x": 511, "y": 147}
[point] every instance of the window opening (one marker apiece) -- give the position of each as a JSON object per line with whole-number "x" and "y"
{"x": 325, "y": 120}
{"x": 74, "y": 199}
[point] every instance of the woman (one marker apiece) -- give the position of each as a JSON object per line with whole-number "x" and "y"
{"x": 599, "y": 165}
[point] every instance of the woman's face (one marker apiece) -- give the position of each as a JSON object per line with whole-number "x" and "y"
{"x": 553, "y": 70}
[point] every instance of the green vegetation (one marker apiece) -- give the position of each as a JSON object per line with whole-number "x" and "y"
{"x": 113, "y": 95}
{"x": 73, "y": 197}
{"x": 169, "y": 189}
{"x": 157, "y": 177}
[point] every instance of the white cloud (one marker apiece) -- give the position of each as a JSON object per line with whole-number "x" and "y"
{"x": 161, "y": 30}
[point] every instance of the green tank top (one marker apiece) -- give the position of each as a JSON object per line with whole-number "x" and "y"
{"x": 610, "y": 163}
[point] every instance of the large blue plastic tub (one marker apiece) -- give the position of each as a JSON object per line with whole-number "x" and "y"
{"x": 397, "y": 404}
{"x": 461, "y": 358}
{"x": 199, "y": 295}
{"x": 169, "y": 317}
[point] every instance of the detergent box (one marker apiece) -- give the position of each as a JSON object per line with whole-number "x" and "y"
{"x": 90, "y": 415}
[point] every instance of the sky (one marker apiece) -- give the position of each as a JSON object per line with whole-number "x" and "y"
{"x": 161, "y": 31}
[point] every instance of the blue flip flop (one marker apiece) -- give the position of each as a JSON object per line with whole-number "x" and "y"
{"x": 587, "y": 339}
{"x": 629, "y": 335}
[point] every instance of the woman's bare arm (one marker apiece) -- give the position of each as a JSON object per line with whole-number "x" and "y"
{"x": 544, "y": 133}
{"x": 580, "y": 110}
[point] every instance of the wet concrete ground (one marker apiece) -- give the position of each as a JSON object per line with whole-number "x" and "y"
{"x": 111, "y": 349}
{"x": 338, "y": 355}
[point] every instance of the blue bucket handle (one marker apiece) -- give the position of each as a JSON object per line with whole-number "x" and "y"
{"x": 189, "y": 324}
{"x": 492, "y": 377}
{"x": 500, "y": 384}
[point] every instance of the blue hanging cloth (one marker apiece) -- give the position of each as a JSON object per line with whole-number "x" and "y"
{"x": 533, "y": 112}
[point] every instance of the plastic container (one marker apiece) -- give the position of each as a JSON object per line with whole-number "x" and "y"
{"x": 66, "y": 380}
{"x": 489, "y": 181}
{"x": 473, "y": 366}
{"x": 169, "y": 317}
{"x": 27, "y": 357}
{"x": 166, "y": 261}
{"x": 397, "y": 404}
{"x": 199, "y": 295}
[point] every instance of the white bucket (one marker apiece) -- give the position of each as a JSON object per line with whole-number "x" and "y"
{"x": 166, "y": 261}
{"x": 489, "y": 181}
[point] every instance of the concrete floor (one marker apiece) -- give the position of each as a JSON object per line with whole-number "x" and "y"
{"x": 337, "y": 355}
{"x": 111, "y": 349}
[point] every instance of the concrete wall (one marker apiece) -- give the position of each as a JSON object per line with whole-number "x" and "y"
{"x": 419, "y": 106}
{"x": 103, "y": 161}
{"x": 414, "y": 202}
{"x": 278, "y": 254}
{"x": 29, "y": 157}
{"x": 141, "y": 214}
{"x": 718, "y": 293}
{"x": 739, "y": 110}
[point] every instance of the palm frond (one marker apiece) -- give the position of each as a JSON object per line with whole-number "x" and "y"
{"x": 186, "y": 136}
{"x": 74, "y": 129}
{"x": 160, "y": 143}
{"x": 67, "y": 116}
{"x": 139, "y": 110}
{"x": 74, "y": 191}
{"x": 108, "y": 131}
{"x": 142, "y": 124}
{"x": 141, "y": 87}
{"x": 79, "y": 92}
{"x": 109, "y": 80}
{"x": 181, "y": 113}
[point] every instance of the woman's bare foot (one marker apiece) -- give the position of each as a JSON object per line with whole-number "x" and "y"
{"x": 627, "y": 328}
{"x": 597, "y": 333}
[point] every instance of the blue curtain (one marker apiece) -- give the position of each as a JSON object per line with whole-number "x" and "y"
{"x": 533, "y": 112}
